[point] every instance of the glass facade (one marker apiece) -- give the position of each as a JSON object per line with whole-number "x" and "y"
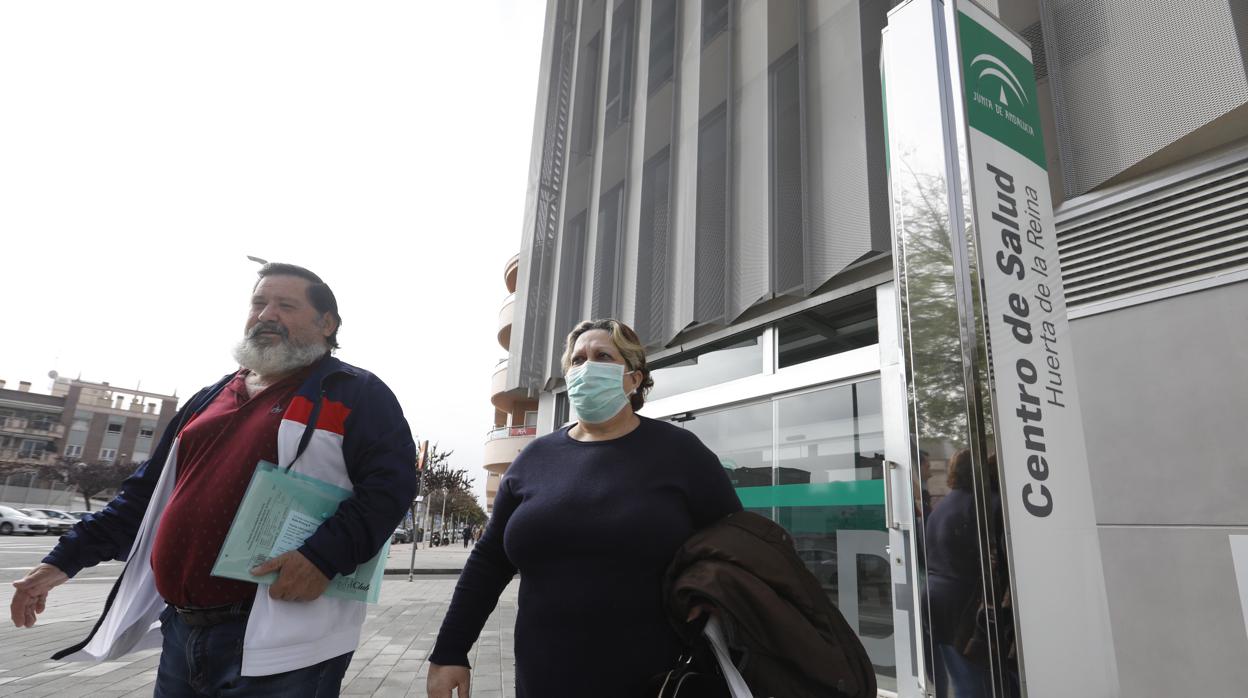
{"x": 813, "y": 462}
{"x": 848, "y": 323}
{"x": 713, "y": 364}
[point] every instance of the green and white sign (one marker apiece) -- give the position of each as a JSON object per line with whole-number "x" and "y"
{"x": 1000, "y": 86}
{"x": 1060, "y": 598}
{"x": 984, "y": 362}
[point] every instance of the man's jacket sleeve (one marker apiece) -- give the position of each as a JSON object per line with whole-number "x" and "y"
{"x": 109, "y": 534}
{"x": 381, "y": 462}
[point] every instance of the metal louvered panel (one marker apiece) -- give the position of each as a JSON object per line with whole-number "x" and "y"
{"x": 1131, "y": 77}
{"x": 536, "y": 275}
{"x": 1204, "y": 201}
{"x": 1158, "y": 237}
{"x": 786, "y": 175}
{"x": 844, "y": 172}
{"x": 653, "y": 250}
{"x": 749, "y": 256}
{"x": 711, "y": 232}
{"x": 1034, "y": 36}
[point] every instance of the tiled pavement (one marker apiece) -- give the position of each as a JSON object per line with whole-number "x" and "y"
{"x": 391, "y": 660}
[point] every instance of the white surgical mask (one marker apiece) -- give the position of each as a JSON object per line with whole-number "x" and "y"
{"x": 596, "y": 389}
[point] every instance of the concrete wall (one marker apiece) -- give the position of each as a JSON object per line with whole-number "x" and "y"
{"x": 1164, "y": 393}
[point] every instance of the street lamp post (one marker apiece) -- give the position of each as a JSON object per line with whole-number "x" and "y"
{"x": 442, "y": 518}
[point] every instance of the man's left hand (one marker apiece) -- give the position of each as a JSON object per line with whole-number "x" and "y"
{"x": 297, "y": 578}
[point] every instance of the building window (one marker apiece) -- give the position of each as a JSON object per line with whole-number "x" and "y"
{"x": 714, "y": 19}
{"x": 841, "y": 325}
{"x": 662, "y": 43}
{"x": 606, "y": 253}
{"x": 81, "y": 424}
{"x": 620, "y": 67}
{"x": 719, "y": 362}
{"x": 31, "y": 448}
{"x": 73, "y": 450}
{"x": 42, "y": 423}
{"x": 571, "y": 308}
{"x": 563, "y": 409}
{"x": 140, "y": 457}
{"x": 114, "y": 428}
{"x": 586, "y": 98}
{"x": 146, "y": 432}
{"x": 108, "y": 454}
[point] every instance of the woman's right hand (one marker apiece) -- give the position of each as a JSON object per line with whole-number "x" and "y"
{"x": 443, "y": 679}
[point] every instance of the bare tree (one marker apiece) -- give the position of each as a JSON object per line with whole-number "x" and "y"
{"x": 442, "y": 483}
{"x": 93, "y": 478}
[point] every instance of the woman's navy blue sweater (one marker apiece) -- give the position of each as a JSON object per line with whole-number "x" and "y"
{"x": 591, "y": 527}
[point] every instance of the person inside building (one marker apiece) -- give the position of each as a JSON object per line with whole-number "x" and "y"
{"x": 293, "y": 404}
{"x": 954, "y": 584}
{"x": 590, "y": 515}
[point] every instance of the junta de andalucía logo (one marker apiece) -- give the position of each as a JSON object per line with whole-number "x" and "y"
{"x": 991, "y": 66}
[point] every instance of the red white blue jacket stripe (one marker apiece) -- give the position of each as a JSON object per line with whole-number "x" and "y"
{"x": 343, "y": 426}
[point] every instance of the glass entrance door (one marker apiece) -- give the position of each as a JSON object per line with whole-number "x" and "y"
{"x": 813, "y": 461}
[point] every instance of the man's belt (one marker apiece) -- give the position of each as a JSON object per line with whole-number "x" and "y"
{"x": 202, "y": 617}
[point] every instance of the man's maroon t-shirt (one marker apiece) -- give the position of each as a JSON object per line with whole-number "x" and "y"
{"x": 217, "y": 453}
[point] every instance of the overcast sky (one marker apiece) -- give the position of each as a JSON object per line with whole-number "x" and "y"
{"x": 147, "y": 147}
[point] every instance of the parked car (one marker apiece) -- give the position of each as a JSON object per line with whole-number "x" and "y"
{"x": 80, "y": 515}
{"x": 55, "y": 526}
{"x": 401, "y": 535}
{"x": 13, "y": 521}
{"x": 57, "y": 520}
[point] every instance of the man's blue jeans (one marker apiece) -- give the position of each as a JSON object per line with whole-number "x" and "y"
{"x": 208, "y": 661}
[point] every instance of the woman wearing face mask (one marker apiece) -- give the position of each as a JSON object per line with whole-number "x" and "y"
{"x": 590, "y": 516}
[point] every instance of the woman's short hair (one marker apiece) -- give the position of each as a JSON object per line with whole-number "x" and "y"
{"x": 629, "y": 346}
{"x": 959, "y": 476}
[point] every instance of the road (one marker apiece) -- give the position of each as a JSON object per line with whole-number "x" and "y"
{"x": 391, "y": 660}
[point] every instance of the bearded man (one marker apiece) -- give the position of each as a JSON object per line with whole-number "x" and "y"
{"x": 293, "y": 404}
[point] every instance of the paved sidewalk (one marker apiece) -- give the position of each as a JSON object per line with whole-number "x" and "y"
{"x": 448, "y": 559}
{"x": 391, "y": 660}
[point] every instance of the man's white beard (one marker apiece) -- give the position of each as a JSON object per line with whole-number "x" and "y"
{"x": 276, "y": 359}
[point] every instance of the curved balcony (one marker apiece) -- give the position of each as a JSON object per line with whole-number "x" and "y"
{"x": 510, "y": 272}
{"x": 500, "y": 396}
{"x": 503, "y": 444}
{"x": 505, "y": 315}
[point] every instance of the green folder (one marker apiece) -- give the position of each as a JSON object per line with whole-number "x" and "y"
{"x": 280, "y": 510}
